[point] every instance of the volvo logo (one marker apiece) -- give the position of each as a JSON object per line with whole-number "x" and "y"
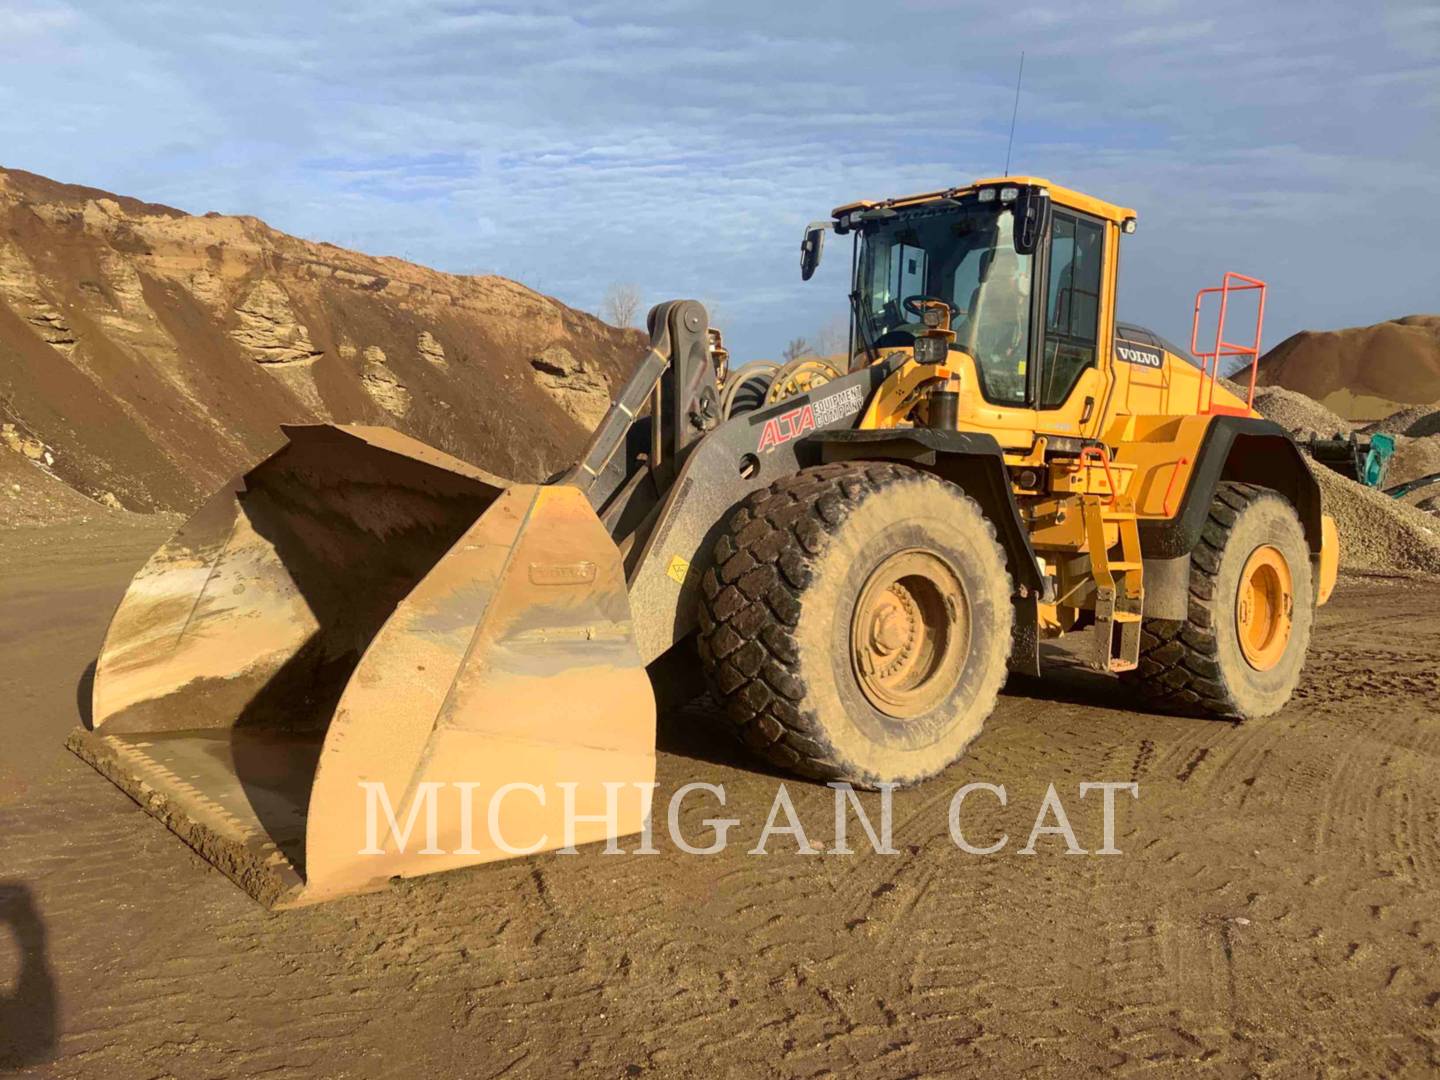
{"x": 1132, "y": 353}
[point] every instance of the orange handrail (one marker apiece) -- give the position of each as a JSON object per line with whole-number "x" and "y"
{"x": 1104, "y": 456}
{"x": 1205, "y": 403}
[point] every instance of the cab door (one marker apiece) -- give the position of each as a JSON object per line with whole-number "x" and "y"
{"x": 996, "y": 325}
{"x": 1073, "y": 378}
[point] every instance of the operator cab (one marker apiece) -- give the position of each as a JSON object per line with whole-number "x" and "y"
{"x": 963, "y": 254}
{"x": 1022, "y": 264}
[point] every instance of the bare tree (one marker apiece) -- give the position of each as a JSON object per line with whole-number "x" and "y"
{"x": 621, "y": 305}
{"x": 797, "y": 348}
{"x": 833, "y": 338}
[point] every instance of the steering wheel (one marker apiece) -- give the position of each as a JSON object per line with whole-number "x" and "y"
{"x": 915, "y": 304}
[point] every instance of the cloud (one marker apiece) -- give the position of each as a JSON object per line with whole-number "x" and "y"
{"x": 1179, "y": 33}
{"x": 683, "y": 145}
{"x": 21, "y": 25}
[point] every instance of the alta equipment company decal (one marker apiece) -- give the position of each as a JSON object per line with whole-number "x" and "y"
{"x": 786, "y": 426}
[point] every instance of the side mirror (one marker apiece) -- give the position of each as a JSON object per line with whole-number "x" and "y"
{"x": 1032, "y": 218}
{"x": 811, "y": 247}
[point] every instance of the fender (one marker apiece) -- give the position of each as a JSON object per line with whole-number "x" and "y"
{"x": 972, "y": 460}
{"x": 669, "y": 553}
{"x": 1247, "y": 449}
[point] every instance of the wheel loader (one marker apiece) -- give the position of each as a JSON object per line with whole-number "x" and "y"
{"x": 850, "y": 552}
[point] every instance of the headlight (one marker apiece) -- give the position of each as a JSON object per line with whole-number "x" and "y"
{"x": 931, "y": 350}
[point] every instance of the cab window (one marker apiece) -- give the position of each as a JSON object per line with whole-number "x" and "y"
{"x": 1072, "y": 312}
{"x": 965, "y": 255}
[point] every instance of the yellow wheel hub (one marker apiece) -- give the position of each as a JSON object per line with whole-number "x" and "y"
{"x": 910, "y": 634}
{"x": 1264, "y": 608}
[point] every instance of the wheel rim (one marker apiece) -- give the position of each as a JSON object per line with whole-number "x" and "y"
{"x": 1264, "y": 608}
{"x": 909, "y": 633}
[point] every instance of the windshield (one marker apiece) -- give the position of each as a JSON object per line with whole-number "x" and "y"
{"x": 964, "y": 255}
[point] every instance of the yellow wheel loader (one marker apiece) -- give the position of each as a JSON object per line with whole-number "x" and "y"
{"x": 366, "y": 659}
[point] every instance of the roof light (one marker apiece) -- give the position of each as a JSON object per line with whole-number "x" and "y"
{"x": 987, "y": 194}
{"x": 1009, "y": 194}
{"x": 1128, "y": 225}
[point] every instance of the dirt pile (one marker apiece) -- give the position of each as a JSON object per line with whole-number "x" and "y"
{"x": 152, "y": 353}
{"x": 1363, "y": 372}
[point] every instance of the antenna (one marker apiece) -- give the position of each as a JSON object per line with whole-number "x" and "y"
{"x": 1014, "y": 112}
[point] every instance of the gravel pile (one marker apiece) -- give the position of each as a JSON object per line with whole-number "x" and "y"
{"x": 1418, "y": 421}
{"x": 1299, "y": 414}
{"x": 1376, "y": 531}
{"x": 1413, "y": 459}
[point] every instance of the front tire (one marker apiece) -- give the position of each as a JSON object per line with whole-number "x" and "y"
{"x": 855, "y": 623}
{"x": 1239, "y": 652}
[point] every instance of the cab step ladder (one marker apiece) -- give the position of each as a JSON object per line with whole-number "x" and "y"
{"x": 1119, "y": 592}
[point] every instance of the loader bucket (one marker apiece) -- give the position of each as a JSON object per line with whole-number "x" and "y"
{"x": 366, "y": 659}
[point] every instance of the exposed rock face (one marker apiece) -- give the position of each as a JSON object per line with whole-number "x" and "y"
{"x": 578, "y": 387}
{"x": 27, "y": 446}
{"x": 156, "y": 353}
{"x": 53, "y": 330}
{"x": 382, "y": 384}
{"x": 20, "y": 283}
{"x": 267, "y": 329}
{"x": 430, "y": 349}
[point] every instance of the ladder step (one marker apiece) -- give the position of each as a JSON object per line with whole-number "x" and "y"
{"x": 1117, "y": 631}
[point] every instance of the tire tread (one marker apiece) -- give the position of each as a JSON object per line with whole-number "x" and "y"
{"x": 1180, "y": 666}
{"x": 750, "y": 604}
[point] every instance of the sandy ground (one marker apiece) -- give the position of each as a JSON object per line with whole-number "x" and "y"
{"x": 1273, "y": 912}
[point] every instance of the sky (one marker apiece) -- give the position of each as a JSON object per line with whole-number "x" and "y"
{"x": 682, "y": 146}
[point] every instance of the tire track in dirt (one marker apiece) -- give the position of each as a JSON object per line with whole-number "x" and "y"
{"x": 1288, "y": 878}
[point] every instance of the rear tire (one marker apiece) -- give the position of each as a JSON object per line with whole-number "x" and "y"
{"x": 1239, "y": 652}
{"x": 856, "y": 621}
